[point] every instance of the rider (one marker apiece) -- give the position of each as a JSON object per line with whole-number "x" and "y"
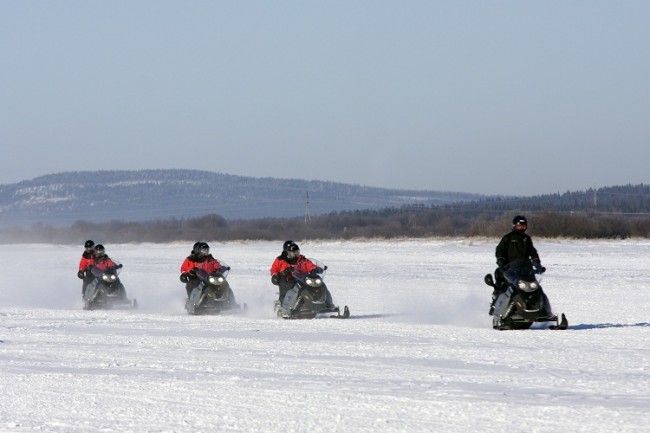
{"x": 86, "y": 262}
{"x": 281, "y": 273}
{"x": 281, "y": 270}
{"x": 515, "y": 245}
{"x": 101, "y": 259}
{"x": 199, "y": 258}
{"x": 284, "y": 265}
{"x": 104, "y": 263}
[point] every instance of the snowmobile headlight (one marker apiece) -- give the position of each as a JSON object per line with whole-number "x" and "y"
{"x": 534, "y": 285}
{"x": 215, "y": 280}
{"x": 522, "y": 285}
{"x": 313, "y": 282}
{"x": 109, "y": 277}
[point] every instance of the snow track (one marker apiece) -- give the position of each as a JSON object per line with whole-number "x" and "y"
{"x": 417, "y": 355}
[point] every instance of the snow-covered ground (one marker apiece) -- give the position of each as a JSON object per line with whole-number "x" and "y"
{"x": 418, "y": 355}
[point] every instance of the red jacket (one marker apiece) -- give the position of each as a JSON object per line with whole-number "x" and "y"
{"x": 104, "y": 263}
{"x": 86, "y": 262}
{"x": 209, "y": 264}
{"x": 302, "y": 265}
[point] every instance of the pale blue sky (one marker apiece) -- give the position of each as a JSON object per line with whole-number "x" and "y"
{"x": 512, "y": 97}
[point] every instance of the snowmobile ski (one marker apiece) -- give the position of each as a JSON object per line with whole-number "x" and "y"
{"x": 345, "y": 315}
{"x": 562, "y": 324}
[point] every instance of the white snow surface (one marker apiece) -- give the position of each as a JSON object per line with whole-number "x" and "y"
{"x": 418, "y": 354}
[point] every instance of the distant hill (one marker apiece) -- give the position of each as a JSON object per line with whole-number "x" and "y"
{"x": 60, "y": 199}
{"x": 613, "y": 212}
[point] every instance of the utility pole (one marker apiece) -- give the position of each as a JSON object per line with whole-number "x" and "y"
{"x": 307, "y": 215}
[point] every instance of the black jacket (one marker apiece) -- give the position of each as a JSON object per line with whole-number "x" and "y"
{"x": 515, "y": 245}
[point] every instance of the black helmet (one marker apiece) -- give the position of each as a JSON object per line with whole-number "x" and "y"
{"x": 195, "y": 247}
{"x": 293, "y": 251}
{"x": 99, "y": 249}
{"x": 203, "y": 249}
{"x": 89, "y": 244}
{"x": 519, "y": 219}
{"x": 286, "y": 244}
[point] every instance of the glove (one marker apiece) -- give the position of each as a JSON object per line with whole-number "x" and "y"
{"x": 224, "y": 268}
{"x": 191, "y": 274}
{"x": 119, "y": 266}
{"x": 537, "y": 266}
{"x": 81, "y": 275}
{"x": 275, "y": 279}
{"x": 185, "y": 277}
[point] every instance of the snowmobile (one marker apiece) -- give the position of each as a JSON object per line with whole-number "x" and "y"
{"x": 106, "y": 291}
{"x": 309, "y": 297}
{"x": 520, "y": 300}
{"x": 213, "y": 294}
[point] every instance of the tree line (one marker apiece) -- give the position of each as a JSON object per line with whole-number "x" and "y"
{"x": 387, "y": 223}
{"x": 614, "y": 199}
{"x": 614, "y": 212}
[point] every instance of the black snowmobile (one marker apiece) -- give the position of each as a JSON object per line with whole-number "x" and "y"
{"x": 213, "y": 294}
{"x": 106, "y": 291}
{"x": 309, "y": 297}
{"x": 520, "y": 300}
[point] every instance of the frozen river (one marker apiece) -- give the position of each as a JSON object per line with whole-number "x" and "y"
{"x": 417, "y": 355}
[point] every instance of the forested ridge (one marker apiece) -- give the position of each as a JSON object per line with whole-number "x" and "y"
{"x": 142, "y": 195}
{"x": 614, "y": 212}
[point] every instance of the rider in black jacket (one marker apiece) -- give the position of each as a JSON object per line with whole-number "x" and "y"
{"x": 513, "y": 246}
{"x": 516, "y": 244}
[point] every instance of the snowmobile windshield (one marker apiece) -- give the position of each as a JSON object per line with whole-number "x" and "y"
{"x": 519, "y": 270}
{"x": 112, "y": 267}
{"x": 222, "y": 271}
{"x": 307, "y": 267}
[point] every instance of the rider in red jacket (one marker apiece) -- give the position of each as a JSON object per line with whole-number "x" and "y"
{"x": 199, "y": 258}
{"x": 102, "y": 261}
{"x": 283, "y": 266}
{"x": 86, "y": 262}
{"x": 87, "y": 258}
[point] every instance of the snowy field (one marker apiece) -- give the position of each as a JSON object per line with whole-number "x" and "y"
{"x": 418, "y": 354}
